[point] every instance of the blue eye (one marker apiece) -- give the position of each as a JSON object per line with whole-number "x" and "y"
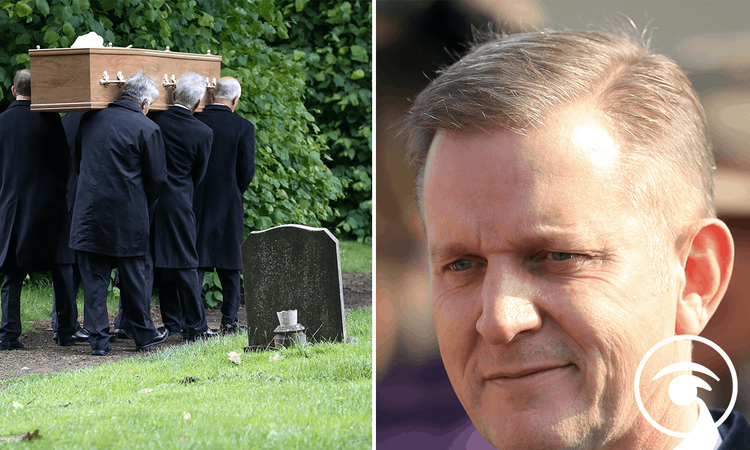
{"x": 461, "y": 265}
{"x": 558, "y": 256}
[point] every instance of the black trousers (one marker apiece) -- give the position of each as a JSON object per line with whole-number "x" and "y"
{"x": 230, "y": 286}
{"x": 76, "y": 280}
{"x": 180, "y": 300}
{"x": 135, "y": 299}
{"x": 64, "y": 303}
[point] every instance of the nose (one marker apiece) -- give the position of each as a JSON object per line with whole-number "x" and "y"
{"x": 508, "y": 307}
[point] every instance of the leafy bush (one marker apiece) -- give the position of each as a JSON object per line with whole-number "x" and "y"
{"x": 335, "y": 39}
{"x": 292, "y": 184}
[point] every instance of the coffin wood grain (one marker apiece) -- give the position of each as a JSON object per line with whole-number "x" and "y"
{"x": 67, "y": 80}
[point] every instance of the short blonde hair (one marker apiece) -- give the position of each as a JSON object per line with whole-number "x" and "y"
{"x": 514, "y": 82}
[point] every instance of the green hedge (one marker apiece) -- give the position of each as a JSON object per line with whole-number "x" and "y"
{"x": 335, "y": 39}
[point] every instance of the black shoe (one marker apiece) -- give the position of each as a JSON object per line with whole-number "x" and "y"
{"x": 122, "y": 334}
{"x": 107, "y": 351}
{"x": 161, "y": 335}
{"x": 82, "y": 335}
{"x": 55, "y": 336}
{"x": 208, "y": 334}
{"x": 173, "y": 332}
{"x": 234, "y": 328}
{"x": 12, "y": 345}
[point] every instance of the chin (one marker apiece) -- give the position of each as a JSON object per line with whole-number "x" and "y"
{"x": 539, "y": 440}
{"x": 545, "y": 429}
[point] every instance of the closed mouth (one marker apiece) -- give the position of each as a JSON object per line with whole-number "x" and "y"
{"x": 525, "y": 372}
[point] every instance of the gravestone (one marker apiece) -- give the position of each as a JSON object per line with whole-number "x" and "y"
{"x": 293, "y": 267}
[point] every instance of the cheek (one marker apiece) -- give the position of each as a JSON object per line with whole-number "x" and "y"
{"x": 612, "y": 327}
{"x": 455, "y": 315}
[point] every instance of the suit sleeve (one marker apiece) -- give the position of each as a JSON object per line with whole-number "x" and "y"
{"x": 60, "y": 153}
{"x": 201, "y": 161}
{"x": 75, "y": 166}
{"x": 246, "y": 159}
{"x": 153, "y": 158}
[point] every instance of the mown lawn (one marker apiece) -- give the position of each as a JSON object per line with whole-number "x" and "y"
{"x": 193, "y": 396}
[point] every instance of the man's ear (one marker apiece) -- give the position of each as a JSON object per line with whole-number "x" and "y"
{"x": 707, "y": 258}
{"x": 13, "y": 91}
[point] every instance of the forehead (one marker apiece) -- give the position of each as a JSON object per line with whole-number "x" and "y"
{"x": 563, "y": 174}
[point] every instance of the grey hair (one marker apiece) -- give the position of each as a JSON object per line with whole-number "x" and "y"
{"x": 517, "y": 81}
{"x": 190, "y": 89}
{"x": 22, "y": 82}
{"x": 227, "y": 87}
{"x": 139, "y": 88}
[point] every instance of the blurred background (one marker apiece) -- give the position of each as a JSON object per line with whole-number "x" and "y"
{"x": 710, "y": 40}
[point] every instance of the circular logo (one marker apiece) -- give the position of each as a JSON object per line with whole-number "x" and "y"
{"x": 680, "y": 392}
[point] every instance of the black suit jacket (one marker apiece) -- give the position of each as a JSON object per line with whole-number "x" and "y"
{"x": 121, "y": 171}
{"x": 34, "y": 165}
{"x": 218, "y": 202}
{"x": 71, "y": 122}
{"x": 187, "y": 143}
{"x": 735, "y": 432}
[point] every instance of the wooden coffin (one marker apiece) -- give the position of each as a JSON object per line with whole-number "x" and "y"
{"x": 74, "y": 80}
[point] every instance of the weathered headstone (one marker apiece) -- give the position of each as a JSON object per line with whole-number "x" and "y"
{"x": 293, "y": 267}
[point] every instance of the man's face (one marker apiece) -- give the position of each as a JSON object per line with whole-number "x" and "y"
{"x": 547, "y": 286}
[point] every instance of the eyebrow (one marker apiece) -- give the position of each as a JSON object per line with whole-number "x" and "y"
{"x": 439, "y": 253}
{"x": 527, "y": 238}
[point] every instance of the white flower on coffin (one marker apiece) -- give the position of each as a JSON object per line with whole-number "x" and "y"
{"x": 90, "y": 40}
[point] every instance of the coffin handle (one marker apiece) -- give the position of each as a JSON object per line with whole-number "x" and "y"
{"x": 105, "y": 81}
{"x": 167, "y": 84}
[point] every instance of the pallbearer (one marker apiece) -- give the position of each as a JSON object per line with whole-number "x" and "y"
{"x": 122, "y": 171}
{"x": 218, "y": 200}
{"x": 188, "y": 144}
{"x": 34, "y": 164}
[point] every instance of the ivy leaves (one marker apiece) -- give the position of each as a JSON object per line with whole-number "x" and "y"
{"x": 335, "y": 41}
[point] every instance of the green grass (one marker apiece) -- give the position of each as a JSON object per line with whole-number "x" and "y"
{"x": 36, "y": 301}
{"x": 355, "y": 256}
{"x": 319, "y": 396}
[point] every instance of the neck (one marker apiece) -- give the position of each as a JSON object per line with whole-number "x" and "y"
{"x": 223, "y": 101}
{"x": 644, "y": 436}
{"x": 23, "y": 97}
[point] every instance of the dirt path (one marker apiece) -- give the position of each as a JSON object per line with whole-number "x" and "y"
{"x": 41, "y": 355}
